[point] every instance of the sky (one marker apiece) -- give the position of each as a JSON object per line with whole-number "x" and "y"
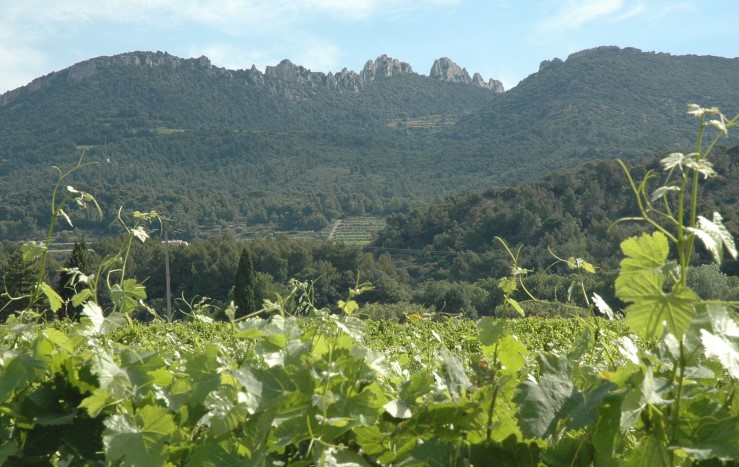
{"x": 501, "y": 39}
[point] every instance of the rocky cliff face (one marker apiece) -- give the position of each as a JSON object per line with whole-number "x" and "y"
{"x": 446, "y": 70}
{"x": 285, "y": 78}
{"x": 83, "y": 70}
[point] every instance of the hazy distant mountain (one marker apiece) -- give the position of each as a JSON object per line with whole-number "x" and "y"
{"x": 294, "y": 147}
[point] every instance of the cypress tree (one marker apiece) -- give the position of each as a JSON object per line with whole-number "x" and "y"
{"x": 19, "y": 278}
{"x": 244, "y": 294}
{"x": 79, "y": 258}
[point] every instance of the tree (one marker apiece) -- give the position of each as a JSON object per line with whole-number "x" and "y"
{"x": 79, "y": 263}
{"x": 245, "y": 292}
{"x": 19, "y": 279}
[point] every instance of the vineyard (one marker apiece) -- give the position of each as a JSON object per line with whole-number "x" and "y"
{"x": 294, "y": 384}
{"x": 358, "y": 230}
{"x": 337, "y": 390}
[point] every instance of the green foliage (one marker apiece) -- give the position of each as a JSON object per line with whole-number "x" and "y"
{"x": 19, "y": 279}
{"x": 306, "y": 386}
{"x": 74, "y": 277}
{"x": 244, "y": 292}
{"x": 289, "y": 156}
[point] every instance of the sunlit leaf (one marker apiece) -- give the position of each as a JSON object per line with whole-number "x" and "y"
{"x": 663, "y": 190}
{"x": 32, "y": 250}
{"x": 602, "y": 306}
{"x": 140, "y": 233}
{"x": 126, "y": 295}
{"x": 643, "y": 392}
{"x": 715, "y": 237}
{"x": 516, "y": 306}
{"x": 55, "y": 301}
{"x": 511, "y": 354}
{"x": 641, "y": 281}
{"x": 139, "y": 440}
{"x": 654, "y": 312}
{"x": 722, "y": 341}
{"x": 702, "y": 166}
{"x": 490, "y": 330}
{"x": 673, "y": 160}
{"x": 66, "y": 217}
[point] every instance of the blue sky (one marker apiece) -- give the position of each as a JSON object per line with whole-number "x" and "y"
{"x": 501, "y": 39}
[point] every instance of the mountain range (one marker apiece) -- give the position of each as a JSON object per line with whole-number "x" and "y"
{"x": 295, "y": 148}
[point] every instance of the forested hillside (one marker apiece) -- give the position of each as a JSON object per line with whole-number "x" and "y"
{"x": 444, "y": 256}
{"x": 601, "y": 103}
{"x": 293, "y": 149}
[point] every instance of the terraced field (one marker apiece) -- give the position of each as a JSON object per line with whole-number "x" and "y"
{"x": 355, "y": 229}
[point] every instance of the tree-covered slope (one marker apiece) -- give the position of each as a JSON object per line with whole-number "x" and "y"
{"x": 571, "y": 213}
{"x": 602, "y": 103}
{"x": 295, "y": 148}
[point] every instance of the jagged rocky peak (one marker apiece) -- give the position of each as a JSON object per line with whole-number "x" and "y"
{"x": 446, "y": 70}
{"x": 384, "y": 66}
{"x": 550, "y": 63}
{"x": 287, "y": 71}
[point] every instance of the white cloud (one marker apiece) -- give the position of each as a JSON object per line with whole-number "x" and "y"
{"x": 363, "y": 9}
{"x": 20, "y": 66}
{"x": 576, "y": 13}
{"x": 319, "y": 55}
{"x": 233, "y": 57}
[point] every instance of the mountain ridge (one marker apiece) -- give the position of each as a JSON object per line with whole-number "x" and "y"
{"x": 285, "y": 71}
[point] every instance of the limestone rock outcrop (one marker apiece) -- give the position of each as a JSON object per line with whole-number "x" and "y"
{"x": 445, "y": 69}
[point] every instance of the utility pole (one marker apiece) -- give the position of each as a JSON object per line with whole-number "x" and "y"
{"x": 166, "y": 270}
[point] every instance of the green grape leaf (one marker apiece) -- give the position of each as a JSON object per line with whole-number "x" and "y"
{"x": 722, "y": 342}
{"x": 641, "y": 282}
{"x": 341, "y": 457}
{"x": 20, "y": 371}
{"x": 32, "y": 250}
{"x": 642, "y": 392}
{"x": 508, "y": 285}
{"x": 140, "y": 233}
{"x": 654, "y": 312}
{"x": 111, "y": 377}
{"x": 209, "y": 452}
{"x": 436, "y": 452}
{"x": 491, "y": 330}
{"x": 55, "y": 301}
{"x": 7, "y": 449}
{"x": 516, "y": 307}
{"x": 81, "y": 297}
{"x": 602, "y": 306}
{"x": 511, "y": 354}
{"x": 126, "y": 295}
{"x": 542, "y": 404}
{"x": 663, "y": 190}
{"x": 648, "y": 451}
{"x": 579, "y": 263}
{"x": 204, "y": 369}
{"x": 139, "y": 440}
{"x": 455, "y": 375}
{"x": 645, "y": 253}
{"x": 225, "y": 411}
{"x": 96, "y": 323}
{"x": 348, "y": 307}
{"x": 715, "y": 237}
{"x": 95, "y": 403}
{"x": 715, "y": 439}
